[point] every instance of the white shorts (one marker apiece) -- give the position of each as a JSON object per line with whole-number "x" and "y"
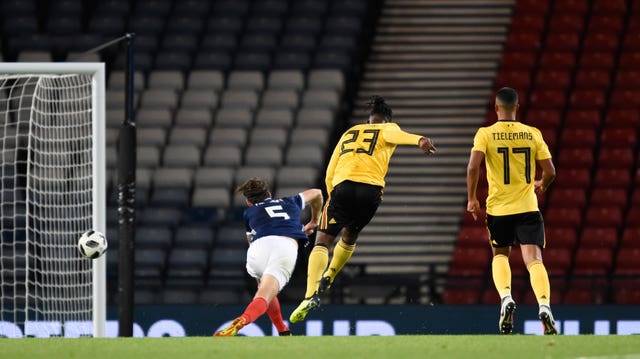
{"x": 274, "y": 255}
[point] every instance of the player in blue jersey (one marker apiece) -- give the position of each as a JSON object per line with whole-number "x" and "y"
{"x": 273, "y": 231}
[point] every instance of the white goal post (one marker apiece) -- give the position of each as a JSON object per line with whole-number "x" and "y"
{"x": 52, "y": 189}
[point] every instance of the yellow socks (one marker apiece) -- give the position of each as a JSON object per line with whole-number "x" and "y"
{"x": 318, "y": 260}
{"x": 540, "y": 282}
{"x": 501, "y": 273}
{"x": 341, "y": 254}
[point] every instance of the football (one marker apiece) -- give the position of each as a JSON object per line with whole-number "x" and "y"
{"x": 92, "y": 244}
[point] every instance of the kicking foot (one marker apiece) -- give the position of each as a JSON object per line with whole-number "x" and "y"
{"x": 305, "y": 306}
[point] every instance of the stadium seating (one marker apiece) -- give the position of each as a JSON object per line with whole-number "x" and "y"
{"x": 233, "y": 88}
{"x": 223, "y": 90}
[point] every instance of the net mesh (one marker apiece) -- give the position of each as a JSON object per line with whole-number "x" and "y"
{"x": 46, "y": 199}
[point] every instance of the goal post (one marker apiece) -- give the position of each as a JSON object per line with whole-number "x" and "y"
{"x": 53, "y": 188}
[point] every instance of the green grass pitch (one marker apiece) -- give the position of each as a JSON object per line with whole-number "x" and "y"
{"x": 329, "y": 347}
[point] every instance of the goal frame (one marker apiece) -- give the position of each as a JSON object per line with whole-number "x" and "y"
{"x": 97, "y": 72}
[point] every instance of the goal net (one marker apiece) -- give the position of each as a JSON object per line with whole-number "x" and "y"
{"x": 52, "y": 189}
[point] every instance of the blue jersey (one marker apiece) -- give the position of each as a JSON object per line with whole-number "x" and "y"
{"x": 276, "y": 217}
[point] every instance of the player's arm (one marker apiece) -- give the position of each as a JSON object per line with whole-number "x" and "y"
{"x": 331, "y": 168}
{"x": 548, "y": 175}
{"x": 313, "y": 198}
{"x": 250, "y": 234}
{"x": 543, "y": 159}
{"x": 248, "y": 231}
{"x": 473, "y": 173}
{"x": 399, "y": 137}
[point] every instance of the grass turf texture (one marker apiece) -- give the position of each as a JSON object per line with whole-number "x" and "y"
{"x": 328, "y": 347}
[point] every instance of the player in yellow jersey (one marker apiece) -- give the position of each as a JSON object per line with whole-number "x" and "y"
{"x": 511, "y": 151}
{"x": 355, "y": 180}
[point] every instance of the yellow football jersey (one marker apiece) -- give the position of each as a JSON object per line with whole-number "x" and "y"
{"x": 363, "y": 153}
{"x": 511, "y": 149}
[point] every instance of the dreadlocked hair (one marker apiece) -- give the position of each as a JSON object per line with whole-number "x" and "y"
{"x": 254, "y": 189}
{"x": 379, "y": 107}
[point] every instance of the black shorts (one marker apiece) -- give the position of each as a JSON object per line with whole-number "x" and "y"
{"x": 521, "y": 228}
{"x": 351, "y": 205}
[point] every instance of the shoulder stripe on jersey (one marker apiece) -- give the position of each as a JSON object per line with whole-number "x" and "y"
{"x": 302, "y": 200}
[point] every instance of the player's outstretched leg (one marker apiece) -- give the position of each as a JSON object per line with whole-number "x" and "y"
{"x": 507, "y": 311}
{"x": 548, "y": 323}
{"x": 233, "y": 328}
{"x": 304, "y": 308}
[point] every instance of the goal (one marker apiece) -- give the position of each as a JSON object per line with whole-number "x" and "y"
{"x": 52, "y": 189}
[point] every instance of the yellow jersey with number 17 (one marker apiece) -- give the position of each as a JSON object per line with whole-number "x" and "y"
{"x": 511, "y": 149}
{"x": 363, "y": 153}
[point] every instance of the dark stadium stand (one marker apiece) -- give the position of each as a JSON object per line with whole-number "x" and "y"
{"x": 228, "y": 89}
{"x": 574, "y": 65}
{"x": 225, "y": 90}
